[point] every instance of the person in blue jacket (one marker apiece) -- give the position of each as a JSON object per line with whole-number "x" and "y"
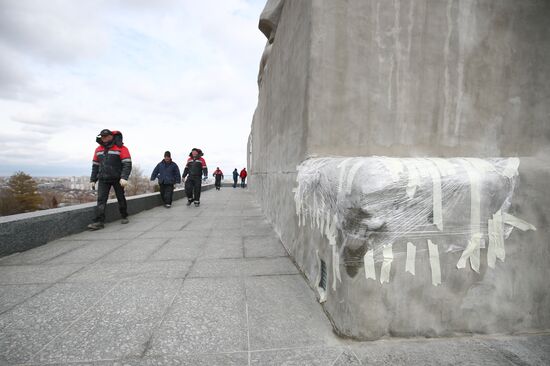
{"x": 168, "y": 174}
{"x": 235, "y": 177}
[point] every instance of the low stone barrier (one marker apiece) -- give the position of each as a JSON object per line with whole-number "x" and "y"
{"x": 29, "y": 230}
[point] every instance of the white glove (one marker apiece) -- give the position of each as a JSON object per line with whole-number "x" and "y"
{"x": 123, "y": 183}
{"x": 92, "y": 186}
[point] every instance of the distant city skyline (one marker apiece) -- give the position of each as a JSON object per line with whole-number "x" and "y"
{"x": 171, "y": 75}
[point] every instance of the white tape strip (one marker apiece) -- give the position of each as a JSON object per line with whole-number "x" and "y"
{"x": 491, "y": 248}
{"x": 414, "y": 178}
{"x": 517, "y": 222}
{"x": 368, "y": 259}
{"x": 436, "y": 196}
{"x": 342, "y": 166}
{"x": 298, "y": 203}
{"x": 498, "y": 228}
{"x": 471, "y": 252}
{"x": 335, "y": 267}
{"x": 351, "y": 175}
{"x": 475, "y": 197}
{"x": 411, "y": 258}
{"x": 386, "y": 264}
{"x": 434, "y": 263}
{"x": 321, "y": 216}
{"x": 475, "y": 257}
{"x": 315, "y": 211}
{"x": 330, "y": 229}
{"x": 474, "y": 168}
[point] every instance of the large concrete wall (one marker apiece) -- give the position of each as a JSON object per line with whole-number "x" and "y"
{"x": 278, "y": 136}
{"x": 429, "y": 77}
{"x": 404, "y": 79}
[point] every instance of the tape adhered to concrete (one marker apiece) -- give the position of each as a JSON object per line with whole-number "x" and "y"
{"x": 474, "y": 168}
{"x": 330, "y": 229}
{"x": 491, "y": 248}
{"x": 437, "y": 197}
{"x": 335, "y": 267}
{"x": 475, "y": 197}
{"x": 411, "y": 258}
{"x": 434, "y": 263}
{"x": 472, "y": 252}
{"x": 368, "y": 260}
{"x": 475, "y": 258}
{"x": 386, "y": 264}
{"x": 498, "y": 229}
{"x": 517, "y": 222}
{"x": 414, "y": 178}
{"x": 342, "y": 177}
{"x": 351, "y": 175}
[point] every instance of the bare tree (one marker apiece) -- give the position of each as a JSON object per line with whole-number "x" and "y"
{"x": 138, "y": 183}
{"x": 49, "y": 199}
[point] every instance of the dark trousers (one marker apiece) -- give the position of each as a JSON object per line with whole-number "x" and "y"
{"x": 193, "y": 188}
{"x": 243, "y": 182}
{"x": 103, "y": 189}
{"x": 166, "y": 193}
{"x": 218, "y": 182}
{"x": 235, "y": 182}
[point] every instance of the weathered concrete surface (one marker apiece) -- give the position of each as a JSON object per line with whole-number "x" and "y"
{"x": 196, "y": 286}
{"x": 29, "y": 230}
{"x": 405, "y": 79}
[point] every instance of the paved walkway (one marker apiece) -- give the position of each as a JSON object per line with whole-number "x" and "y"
{"x": 196, "y": 286}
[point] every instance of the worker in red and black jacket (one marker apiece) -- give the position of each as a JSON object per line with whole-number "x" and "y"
{"x": 218, "y": 176}
{"x": 243, "y": 176}
{"x": 111, "y": 167}
{"x": 195, "y": 169}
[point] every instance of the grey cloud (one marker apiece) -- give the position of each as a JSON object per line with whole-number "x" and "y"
{"x": 47, "y": 32}
{"x": 55, "y": 31}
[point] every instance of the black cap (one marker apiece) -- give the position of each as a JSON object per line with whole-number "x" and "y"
{"x": 105, "y": 132}
{"x": 167, "y": 154}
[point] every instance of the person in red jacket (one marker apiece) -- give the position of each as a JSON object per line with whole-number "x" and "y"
{"x": 218, "y": 176}
{"x": 194, "y": 169}
{"x": 243, "y": 176}
{"x": 112, "y": 165}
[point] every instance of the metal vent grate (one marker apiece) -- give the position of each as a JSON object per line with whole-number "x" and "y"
{"x": 323, "y": 280}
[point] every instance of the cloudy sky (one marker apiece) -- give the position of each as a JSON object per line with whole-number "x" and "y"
{"x": 169, "y": 74}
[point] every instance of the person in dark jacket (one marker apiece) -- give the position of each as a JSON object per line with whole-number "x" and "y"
{"x": 235, "y": 177}
{"x": 218, "y": 176}
{"x": 111, "y": 167}
{"x": 243, "y": 176}
{"x": 194, "y": 170}
{"x": 168, "y": 174}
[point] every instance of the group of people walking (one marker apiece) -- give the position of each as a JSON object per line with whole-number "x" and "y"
{"x": 112, "y": 165}
{"x": 218, "y": 177}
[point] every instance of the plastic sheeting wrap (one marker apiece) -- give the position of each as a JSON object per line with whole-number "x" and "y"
{"x": 371, "y": 209}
